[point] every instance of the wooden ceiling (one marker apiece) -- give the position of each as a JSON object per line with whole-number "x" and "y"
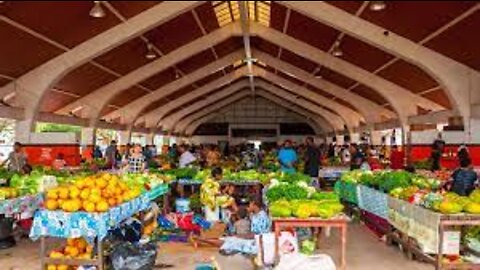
{"x": 34, "y": 32}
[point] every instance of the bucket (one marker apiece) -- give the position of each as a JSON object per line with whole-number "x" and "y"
{"x": 182, "y": 205}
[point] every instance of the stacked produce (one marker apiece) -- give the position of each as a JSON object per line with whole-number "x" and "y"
{"x": 417, "y": 189}
{"x": 301, "y": 201}
{"x": 452, "y": 203}
{"x": 76, "y": 248}
{"x": 39, "y": 180}
{"x": 96, "y": 193}
{"x": 209, "y": 195}
{"x": 7, "y": 193}
{"x": 146, "y": 180}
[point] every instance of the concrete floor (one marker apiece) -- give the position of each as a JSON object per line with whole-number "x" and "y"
{"x": 365, "y": 252}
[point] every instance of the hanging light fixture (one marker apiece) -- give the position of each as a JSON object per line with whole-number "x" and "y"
{"x": 337, "y": 51}
{"x": 150, "y": 53}
{"x": 377, "y": 5}
{"x": 97, "y": 10}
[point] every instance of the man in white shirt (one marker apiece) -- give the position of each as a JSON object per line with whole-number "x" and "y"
{"x": 186, "y": 158}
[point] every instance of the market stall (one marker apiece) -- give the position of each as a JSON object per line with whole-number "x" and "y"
{"x": 78, "y": 211}
{"x": 408, "y": 210}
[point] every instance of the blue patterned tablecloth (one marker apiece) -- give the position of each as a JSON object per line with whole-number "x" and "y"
{"x": 373, "y": 201}
{"x": 82, "y": 224}
{"x": 27, "y": 203}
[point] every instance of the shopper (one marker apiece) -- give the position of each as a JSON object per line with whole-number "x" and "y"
{"x": 17, "y": 160}
{"x": 396, "y": 158}
{"x": 463, "y": 152}
{"x": 312, "y": 161}
{"x": 345, "y": 155}
{"x": 437, "y": 150}
{"x": 464, "y": 178}
{"x": 111, "y": 154}
{"x": 136, "y": 161}
{"x": 186, "y": 158}
{"x": 287, "y": 157}
{"x": 97, "y": 153}
{"x": 212, "y": 156}
{"x": 357, "y": 157}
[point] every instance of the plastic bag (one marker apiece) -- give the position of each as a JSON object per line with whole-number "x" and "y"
{"x": 303, "y": 262}
{"x": 127, "y": 256}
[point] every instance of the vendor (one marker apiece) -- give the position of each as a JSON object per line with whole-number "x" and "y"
{"x": 136, "y": 161}
{"x": 287, "y": 157}
{"x": 17, "y": 160}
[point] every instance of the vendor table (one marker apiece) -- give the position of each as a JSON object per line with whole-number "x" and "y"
{"x": 27, "y": 203}
{"x": 340, "y": 222}
{"x": 92, "y": 226}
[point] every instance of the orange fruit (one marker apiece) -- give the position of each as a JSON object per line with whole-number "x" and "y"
{"x": 66, "y": 205}
{"x": 76, "y": 204}
{"x": 96, "y": 191}
{"x": 51, "y": 267}
{"x": 52, "y": 194}
{"x": 84, "y": 194}
{"x": 81, "y": 244}
{"x": 62, "y": 267}
{"x": 71, "y": 241}
{"x": 80, "y": 184}
{"x": 102, "y": 183}
{"x": 89, "y": 206}
{"x": 123, "y": 186}
{"x": 72, "y": 251}
{"x": 106, "y": 193}
{"x": 63, "y": 193}
{"x": 74, "y": 192}
{"x": 119, "y": 199}
{"x": 102, "y": 206}
{"x": 112, "y": 202}
{"x": 89, "y": 182}
{"x": 95, "y": 198}
{"x": 51, "y": 204}
{"x": 56, "y": 254}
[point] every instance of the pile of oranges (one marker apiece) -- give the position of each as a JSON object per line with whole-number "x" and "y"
{"x": 76, "y": 248}
{"x": 95, "y": 193}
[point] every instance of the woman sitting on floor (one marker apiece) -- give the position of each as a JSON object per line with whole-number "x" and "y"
{"x": 260, "y": 223}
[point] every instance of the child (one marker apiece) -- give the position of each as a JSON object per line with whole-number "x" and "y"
{"x": 242, "y": 225}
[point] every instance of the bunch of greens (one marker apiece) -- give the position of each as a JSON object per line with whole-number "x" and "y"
{"x": 293, "y": 177}
{"x": 395, "y": 179}
{"x": 287, "y": 192}
{"x": 182, "y": 173}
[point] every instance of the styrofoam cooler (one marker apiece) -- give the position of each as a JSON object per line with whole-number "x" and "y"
{"x": 212, "y": 215}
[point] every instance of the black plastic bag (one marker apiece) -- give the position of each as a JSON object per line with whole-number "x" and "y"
{"x": 127, "y": 256}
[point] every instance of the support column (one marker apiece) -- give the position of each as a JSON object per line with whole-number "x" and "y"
{"x": 376, "y": 137}
{"x": 340, "y": 139}
{"x": 88, "y": 135}
{"x": 125, "y": 137}
{"x": 354, "y": 138}
{"x": 149, "y": 138}
{"x": 474, "y": 136}
{"x": 24, "y": 130}
{"x": 407, "y": 143}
